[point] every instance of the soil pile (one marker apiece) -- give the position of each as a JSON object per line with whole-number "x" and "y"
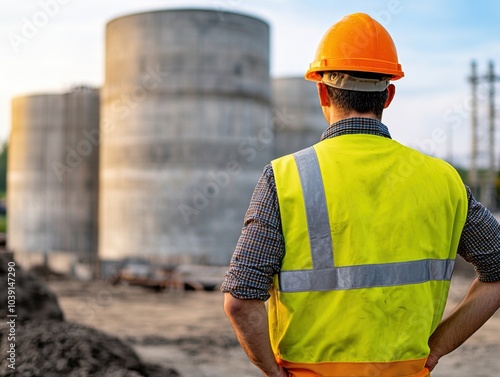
{"x": 34, "y": 300}
{"x": 47, "y": 346}
{"x": 57, "y": 348}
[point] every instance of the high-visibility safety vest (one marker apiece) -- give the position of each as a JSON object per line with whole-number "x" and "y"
{"x": 371, "y": 230}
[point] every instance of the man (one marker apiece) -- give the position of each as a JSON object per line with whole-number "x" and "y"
{"x": 354, "y": 239}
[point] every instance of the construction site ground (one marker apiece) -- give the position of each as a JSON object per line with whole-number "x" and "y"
{"x": 188, "y": 331}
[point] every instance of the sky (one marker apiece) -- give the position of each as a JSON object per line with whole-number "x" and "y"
{"x": 49, "y": 46}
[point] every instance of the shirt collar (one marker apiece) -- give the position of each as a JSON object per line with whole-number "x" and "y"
{"x": 359, "y": 125}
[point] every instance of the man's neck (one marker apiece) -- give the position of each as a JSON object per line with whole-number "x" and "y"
{"x": 336, "y": 116}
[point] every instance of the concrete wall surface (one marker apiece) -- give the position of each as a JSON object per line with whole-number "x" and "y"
{"x": 300, "y": 122}
{"x": 186, "y": 131}
{"x": 52, "y": 175}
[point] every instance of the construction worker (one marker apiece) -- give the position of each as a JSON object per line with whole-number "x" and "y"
{"x": 354, "y": 239}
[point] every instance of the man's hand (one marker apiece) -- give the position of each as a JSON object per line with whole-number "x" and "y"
{"x": 432, "y": 361}
{"x": 480, "y": 303}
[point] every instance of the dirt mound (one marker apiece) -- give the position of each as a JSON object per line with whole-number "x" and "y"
{"x": 46, "y": 346}
{"x": 54, "y": 349}
{"x": 34, "y": 300}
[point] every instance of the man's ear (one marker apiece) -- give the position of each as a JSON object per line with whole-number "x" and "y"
{"x": 391, "y": 90}
{"x": 324, "y": 99}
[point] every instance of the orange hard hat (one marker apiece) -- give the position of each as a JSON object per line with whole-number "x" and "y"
{"x": 356, "y": 43}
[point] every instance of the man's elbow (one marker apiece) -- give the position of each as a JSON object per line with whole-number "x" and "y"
{"x": 496, "y": 293}
{"x": 234, "y": 307}
{"x": 491, "y": 290}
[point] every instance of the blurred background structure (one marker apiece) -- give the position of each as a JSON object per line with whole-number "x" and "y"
{"x": 483, "y": 179}
{"x": 194, "y": 90}
{"x": 53, "y": 179}
{"x": 160, "y": 163}
{"x": 299, "y": 122}
{"x": 185, "y": 129}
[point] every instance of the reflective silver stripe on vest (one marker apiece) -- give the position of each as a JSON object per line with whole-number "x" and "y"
{"x": 318, "y": 223}
{"x": 325, "y": 276}
{"x": 366, "y": 276}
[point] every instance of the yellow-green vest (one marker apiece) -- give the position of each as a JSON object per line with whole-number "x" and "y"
{"x": 371, "y": 230}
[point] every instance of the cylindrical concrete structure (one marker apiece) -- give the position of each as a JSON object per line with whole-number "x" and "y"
{"x": 186, "y": 131}
{"x": 35, "y": 195}
{"x": 81, "y": 184}
{"x": 52, "y": 179}
{"x": 299, "y": 121}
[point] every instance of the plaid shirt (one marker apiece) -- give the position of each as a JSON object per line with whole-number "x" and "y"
{"x": 261, "y": 247}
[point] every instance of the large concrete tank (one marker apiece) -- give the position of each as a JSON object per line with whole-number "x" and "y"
{"x": 52, "y": 178}
{"x": 81, "y": 183}
{"x": 300, "y": 122}
{"x": 186, "y": 131}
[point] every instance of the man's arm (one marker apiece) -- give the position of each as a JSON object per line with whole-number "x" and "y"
{"x": 480, "y": 303}
{"x": 249, "y": 321}
{"x": 255, "y": 261}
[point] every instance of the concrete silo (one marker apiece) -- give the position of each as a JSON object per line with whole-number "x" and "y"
{"x": 52, "y": 179}
{"x": 300, "y": 122}
{"x": 81, "y": 181}
{"x": 185, "y": 133}
{"x": 35, "y": 195}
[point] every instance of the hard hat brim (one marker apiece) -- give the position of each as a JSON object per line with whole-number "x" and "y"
{"x": 354, "y": 65}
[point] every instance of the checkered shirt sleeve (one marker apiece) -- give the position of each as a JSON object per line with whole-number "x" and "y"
{"x": 260, "y": 248}
{"x": 480, "y": 241}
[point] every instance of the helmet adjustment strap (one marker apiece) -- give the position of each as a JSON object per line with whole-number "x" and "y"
{"x": 342, "y": 80}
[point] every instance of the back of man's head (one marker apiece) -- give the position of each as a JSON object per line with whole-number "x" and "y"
{"x": 362, "y": 95}
{"x": 356, "y": 60}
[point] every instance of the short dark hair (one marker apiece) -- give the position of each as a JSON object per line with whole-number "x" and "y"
{"x": 361, "y": 102}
